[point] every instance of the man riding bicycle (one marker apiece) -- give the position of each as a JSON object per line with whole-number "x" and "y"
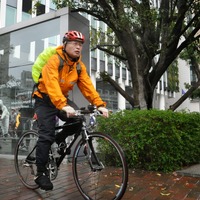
{"x": 51, "y": 97}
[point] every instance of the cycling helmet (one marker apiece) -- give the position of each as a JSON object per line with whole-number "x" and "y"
{"x": 73, "y": 35}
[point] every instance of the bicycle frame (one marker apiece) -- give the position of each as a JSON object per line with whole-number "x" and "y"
{"x": 84, "y": 135}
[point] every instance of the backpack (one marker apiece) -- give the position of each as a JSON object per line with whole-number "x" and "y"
{"x": 39, "y": 64}
{"x": 42, "y": 60}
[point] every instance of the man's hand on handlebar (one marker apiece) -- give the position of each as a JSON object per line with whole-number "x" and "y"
{"x": 104, "y": 111}
{"x": 69, "y": 111}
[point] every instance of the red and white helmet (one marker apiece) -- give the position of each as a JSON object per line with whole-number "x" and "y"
{"x": 73, "y": 35}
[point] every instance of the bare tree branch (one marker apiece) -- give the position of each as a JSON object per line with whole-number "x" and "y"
{"x": 106, "y": 77}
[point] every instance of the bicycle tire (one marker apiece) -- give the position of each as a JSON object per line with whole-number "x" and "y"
{"x": 107, "y": 183}
{"x": 24, "y": 160}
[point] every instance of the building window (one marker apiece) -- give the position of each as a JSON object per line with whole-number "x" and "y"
{"x": 102, "y": 65}
{"x": 124, "y": 73}
{"x": 11, "y": 15}
{"x": 25, "y": 16}
{"x": 94, "y": 64}
{"x": 93, "y": 22}
{"x": 102, "y": 55}
{"x": 110, "y": 69}
{"x": 39, "y": 8}
{"x": 193, "y": 76}
{"x": 27, "y": 6}
{"x": 117, "y": 72}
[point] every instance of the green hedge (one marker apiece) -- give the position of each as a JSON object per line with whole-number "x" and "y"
{"x": 155, "y": 140}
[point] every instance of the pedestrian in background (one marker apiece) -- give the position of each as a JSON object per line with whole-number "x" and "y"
{"x": 4, "y": 119}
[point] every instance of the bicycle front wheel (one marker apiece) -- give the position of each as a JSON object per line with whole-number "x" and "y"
{"x": 25, "y": 159}
{"x": 99, "y": 168}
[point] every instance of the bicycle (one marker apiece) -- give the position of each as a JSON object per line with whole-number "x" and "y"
{"x": 98, "y": 163}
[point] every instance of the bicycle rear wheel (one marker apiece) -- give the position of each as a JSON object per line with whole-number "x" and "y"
{"x": 99, "y": 168}
{"x": 25, "y": 159}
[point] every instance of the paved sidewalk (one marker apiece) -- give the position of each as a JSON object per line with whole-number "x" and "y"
{"x": 142, "y": 185}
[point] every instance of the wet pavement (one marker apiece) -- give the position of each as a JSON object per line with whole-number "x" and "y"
{"x": 143, "y": 185}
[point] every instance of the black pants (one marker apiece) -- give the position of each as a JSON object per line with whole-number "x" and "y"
{"x": 47, "y": 117}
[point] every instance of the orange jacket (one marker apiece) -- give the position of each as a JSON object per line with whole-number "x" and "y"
{"x": 56, "y": 84}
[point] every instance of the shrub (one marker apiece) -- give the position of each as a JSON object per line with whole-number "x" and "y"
{"x": 154, "y": 139}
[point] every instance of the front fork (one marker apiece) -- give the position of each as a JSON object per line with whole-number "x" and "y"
{"x": 90, "y": 153}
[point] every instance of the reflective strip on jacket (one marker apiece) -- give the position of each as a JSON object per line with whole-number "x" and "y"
{"x": 57, "y": 84}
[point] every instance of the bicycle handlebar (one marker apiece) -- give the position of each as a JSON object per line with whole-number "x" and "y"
{"x": 88, "y": 111}
{"x": 91, "y": 110}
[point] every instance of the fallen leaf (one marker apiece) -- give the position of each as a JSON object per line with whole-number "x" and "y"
{"x": 131, "y": 189}
{"x": 165, "y": 193}
{"x": 176, "y": 179}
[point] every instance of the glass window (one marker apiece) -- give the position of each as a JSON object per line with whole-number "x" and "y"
{"x": 42, "y": 2}
{"x": 124, "y": 73}
{"x": 117, "y": 71}
{"x": 11, "y": 15}
{"x": 108, "y": 93}
{"x": 26, "y": 6}
{"x": 93, "y": 43}
{"x": 102, "y": 65}
{"x": 52, "y": 41}
{"x": 17, "y": 52}
{"x": 52, "y": 5}
{"x": 40, "y": 9}
{"x": 102, "y": 26}
{"x": 193, "y": 76}
{"x": 26, "y": 9}
{"x": 25, "y": 16}
{"x": 110, "y": 69}
{"x": 102, "y": 55}
{"x": 93, "y": 22}
{"x": 94, "y": 53}
{"x": 93, "y": 64}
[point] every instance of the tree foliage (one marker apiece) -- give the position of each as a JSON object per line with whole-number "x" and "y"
{"x": 147, "y": 35}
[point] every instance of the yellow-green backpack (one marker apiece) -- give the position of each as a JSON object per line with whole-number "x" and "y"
{"x": 42, "y": 60}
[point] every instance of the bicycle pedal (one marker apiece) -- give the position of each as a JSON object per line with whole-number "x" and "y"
{"x": 26, "y": 164}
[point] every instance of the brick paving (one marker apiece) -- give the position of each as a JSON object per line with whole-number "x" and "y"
{"x": 142, "y": 185}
